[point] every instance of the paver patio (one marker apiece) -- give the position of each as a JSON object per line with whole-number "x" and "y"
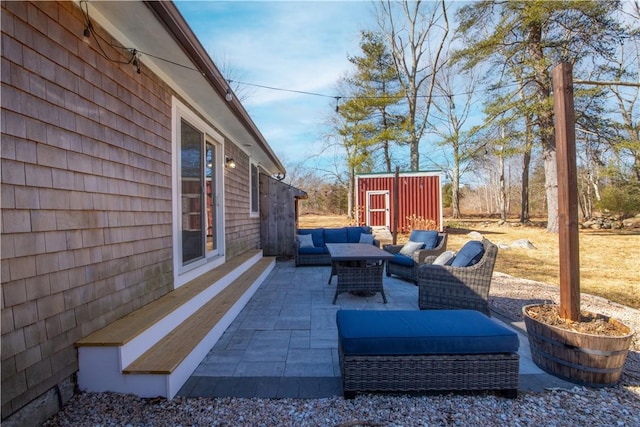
{"x": 284, "y": 342}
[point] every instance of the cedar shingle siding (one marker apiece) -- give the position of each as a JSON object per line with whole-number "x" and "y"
{"x": 86, "y": 194}
{"x": 242, "y": 230}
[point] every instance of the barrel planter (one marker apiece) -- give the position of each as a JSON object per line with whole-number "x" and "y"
{"x": 581, "y": 358}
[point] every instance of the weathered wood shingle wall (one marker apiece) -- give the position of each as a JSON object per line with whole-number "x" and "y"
{"x": 86, "y": 193}
{"x": 278, "y": 216}
{"x": 242, "y": 230}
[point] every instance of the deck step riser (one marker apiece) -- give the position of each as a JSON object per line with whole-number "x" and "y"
{"x": 177, "y": 378}
{"x": 101, "y": 366}
{"x": 99, "y": 372}
{"x": 143, "y": 342}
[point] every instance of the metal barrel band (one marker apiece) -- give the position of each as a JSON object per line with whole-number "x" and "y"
{"x": 545, "y": 355}
{"x": 594, "y": 352}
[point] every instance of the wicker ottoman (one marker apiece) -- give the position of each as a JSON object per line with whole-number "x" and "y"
{"x": 419, "y": 351}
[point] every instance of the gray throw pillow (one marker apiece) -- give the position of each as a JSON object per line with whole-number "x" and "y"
{"x": 366, "y": 238}
{"x": 306, "y": 241}
{"x": 410, "y": 247}
{"x": 444, "y": 258}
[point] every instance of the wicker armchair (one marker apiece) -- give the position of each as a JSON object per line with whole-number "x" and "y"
{"x": 447, "y": 287}
{"x": 409, "y": 271}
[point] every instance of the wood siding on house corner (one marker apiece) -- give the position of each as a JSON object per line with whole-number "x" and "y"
{"x": 86, "y": 193}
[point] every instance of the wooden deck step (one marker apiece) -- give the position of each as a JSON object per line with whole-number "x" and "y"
{"x": 130, "y": 326}
{"x": 165, "y": 356}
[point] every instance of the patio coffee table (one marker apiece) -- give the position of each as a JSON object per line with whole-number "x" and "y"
{"x": 359, "y": 267}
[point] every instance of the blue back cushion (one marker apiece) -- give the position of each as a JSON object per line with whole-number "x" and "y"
{"x": 469, "y": 255}
{"x": 317, "y": 234}
{"x": 429, "y": 237}
{"x": 313, "y": 251}
{"x": 335, "y": 235}
{"x": 353, "y": 233}
{"x": 422, "y": 332}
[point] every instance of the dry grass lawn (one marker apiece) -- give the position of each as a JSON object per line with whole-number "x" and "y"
{"x": 609, "y": 259}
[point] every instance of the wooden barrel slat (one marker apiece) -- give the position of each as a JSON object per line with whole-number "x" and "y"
{"x": 586, "y": 359}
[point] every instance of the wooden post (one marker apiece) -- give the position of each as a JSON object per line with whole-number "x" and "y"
{"x": 567, "y": 191}
{"x": 396, "y": 204}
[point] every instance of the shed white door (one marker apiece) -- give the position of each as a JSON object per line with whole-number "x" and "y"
{"x": 377, "y": 208}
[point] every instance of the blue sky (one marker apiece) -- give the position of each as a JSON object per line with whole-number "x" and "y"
{"x": 300, "y": 46}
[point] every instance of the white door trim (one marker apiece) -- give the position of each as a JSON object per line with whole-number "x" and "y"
{"x": 368, "y": 208}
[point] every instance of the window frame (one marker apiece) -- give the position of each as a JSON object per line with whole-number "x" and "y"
{"x": 254, "y": 213}
{"x": 183, "y": 273}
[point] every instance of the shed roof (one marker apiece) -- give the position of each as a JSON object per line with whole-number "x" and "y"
{"x": 402, "y": 174}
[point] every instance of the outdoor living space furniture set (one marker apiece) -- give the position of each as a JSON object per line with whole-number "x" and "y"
{"x": 451, "y": 343}
{"x": 445, "y": 279}
{"x": 313, "y": 251}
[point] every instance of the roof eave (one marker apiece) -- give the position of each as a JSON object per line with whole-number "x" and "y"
{"x": 175, "y": 23}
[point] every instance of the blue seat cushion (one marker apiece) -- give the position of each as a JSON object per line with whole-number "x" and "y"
{"x": 335, "y": 235}
{"x": 317, "y": 234}
{"x": 402, "y": 332}
{"x": 313, "y": 251}
{"x": 353, "y": 233}
{"x": 469, "y": 255}
{"x": 428, "y": 237}
{"x": 402, "y": 260}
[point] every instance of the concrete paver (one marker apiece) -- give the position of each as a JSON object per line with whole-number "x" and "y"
{"x": 284, "y": 342}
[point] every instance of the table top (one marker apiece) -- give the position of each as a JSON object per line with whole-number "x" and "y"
{"x": 356, "y": 252}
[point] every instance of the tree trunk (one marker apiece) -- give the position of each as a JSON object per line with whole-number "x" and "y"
{"x": 387, "y": 157}
{"x": 350, "y": 197}
{"x": 551, "y": 188}
{"x": 503, "y": 194}
{"x": 415, "y": 154}
{"x": 545, "y": 124}
{"x": 455, "y": 191}
{"x": 596, "y": 188}
{"x": 502, "y": 191}
{"x": 526, "y": 163}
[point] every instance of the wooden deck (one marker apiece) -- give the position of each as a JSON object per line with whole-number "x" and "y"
{"x": 167, "y": 354}
{"x": 127, "y": 328}
{"x": 153, "y": 350}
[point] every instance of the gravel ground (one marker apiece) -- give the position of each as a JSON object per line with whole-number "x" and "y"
{"x": 580, "y": 406}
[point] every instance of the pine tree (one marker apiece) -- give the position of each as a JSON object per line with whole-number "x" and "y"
{"x": 376, "y": 92}
{"x": 533, "y": 36}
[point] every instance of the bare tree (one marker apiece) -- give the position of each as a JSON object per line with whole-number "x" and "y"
{"x": 628, "y": 103}
{"x": 453, "y": 104}
{"x": 234, "y": 77}
{"x": 416, "y": 33}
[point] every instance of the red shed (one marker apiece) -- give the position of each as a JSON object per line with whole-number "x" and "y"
{"x": 419, "y": 200}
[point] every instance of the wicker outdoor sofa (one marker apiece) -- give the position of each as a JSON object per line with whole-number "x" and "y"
{"x": 317, "y": 254}
{"x": 458, "y": 287}
{"x": 421, "y": 351}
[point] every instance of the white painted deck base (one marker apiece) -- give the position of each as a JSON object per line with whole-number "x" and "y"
{"x": 101, "y": 367}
